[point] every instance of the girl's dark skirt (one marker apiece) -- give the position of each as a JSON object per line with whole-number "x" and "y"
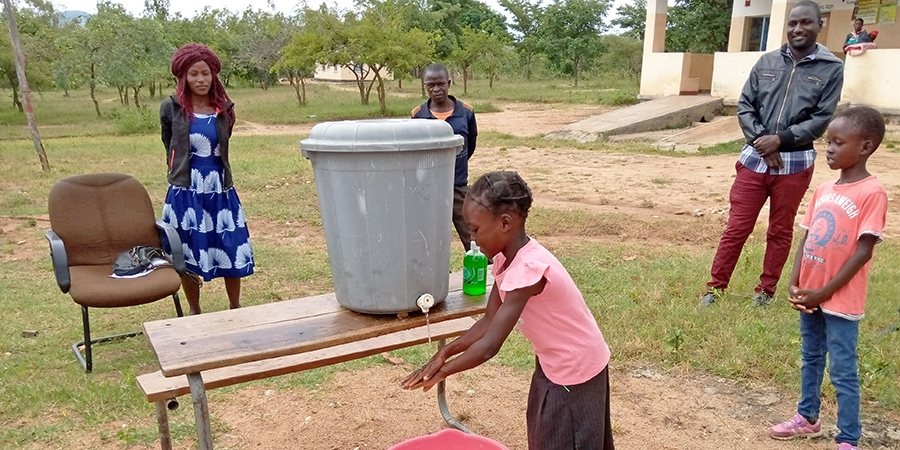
{"x": 569, "y": 417}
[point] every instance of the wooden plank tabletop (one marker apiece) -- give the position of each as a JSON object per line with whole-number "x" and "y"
{"x": 193, "y": 344}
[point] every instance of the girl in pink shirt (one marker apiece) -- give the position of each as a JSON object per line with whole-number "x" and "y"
{"x": 568, "y": 403}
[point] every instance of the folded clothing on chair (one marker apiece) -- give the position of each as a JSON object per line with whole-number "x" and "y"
{"x": 139, "y": 261}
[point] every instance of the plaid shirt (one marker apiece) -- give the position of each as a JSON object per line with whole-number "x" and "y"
{"x": 794, "y": 162}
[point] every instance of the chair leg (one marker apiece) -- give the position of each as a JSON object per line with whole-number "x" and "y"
{"x": 86, "y": 359}
{"x": 178, "y": 309}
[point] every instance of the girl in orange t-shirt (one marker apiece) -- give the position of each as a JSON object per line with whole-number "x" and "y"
{"x": 844, "y": 221}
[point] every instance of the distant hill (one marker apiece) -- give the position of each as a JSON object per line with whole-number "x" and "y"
{"x": 69, "y": 16}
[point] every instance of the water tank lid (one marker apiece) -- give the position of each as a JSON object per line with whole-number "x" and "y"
{"x": 380, "y": 135}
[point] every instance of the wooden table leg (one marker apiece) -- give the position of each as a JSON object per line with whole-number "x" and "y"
{"x": 201, "y": 411}
{"x": 162, "y": 423}
{"x": 442, "y": 403}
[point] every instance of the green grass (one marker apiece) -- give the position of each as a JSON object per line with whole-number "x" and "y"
{"x": 610, "y": 91}
{"x": 68, "y": 116}
{"x": 643, "y": 294}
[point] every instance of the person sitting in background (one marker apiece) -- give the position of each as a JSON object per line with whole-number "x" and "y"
{"x": 858, "y": 35}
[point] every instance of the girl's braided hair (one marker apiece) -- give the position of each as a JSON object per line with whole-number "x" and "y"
{"x": 502, "y": 192}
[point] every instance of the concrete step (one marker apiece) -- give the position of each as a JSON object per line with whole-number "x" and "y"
{"x": 674, "y": 111}
{"x": 719, "y": 130}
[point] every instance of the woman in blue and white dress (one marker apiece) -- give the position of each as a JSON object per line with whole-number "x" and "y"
{"x": 202, "y": 203}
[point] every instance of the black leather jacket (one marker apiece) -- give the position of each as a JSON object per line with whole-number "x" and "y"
{"x": 793, "y": 99}
{"x": 176, "y": 139}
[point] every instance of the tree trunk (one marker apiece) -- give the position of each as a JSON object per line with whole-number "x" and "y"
{"x": 303, "y": 90}
{"x": 465, "y": 80}
{"x": 399, "y": 83}
{"x": 152, "y": 89}
{"x": 93, "y": 84}
{"x": 422, "y": 85}
{"x": 528, "y": 57}
{"x": 491, "y": 76}
{"x": 575, "y": 62}
{"x": 137, "y": 90}
{"x": 16, "y": 102}
{"x": 360, "y": 84}
{"x": 381, "y": 96}
{"x": 65, "y": 92}
{"x": 297, "y": 90}
{"x": 369, "y": 87}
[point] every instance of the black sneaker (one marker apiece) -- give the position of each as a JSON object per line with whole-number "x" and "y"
{"x": 762, "y": 299}
{"x": 711, "y": 296}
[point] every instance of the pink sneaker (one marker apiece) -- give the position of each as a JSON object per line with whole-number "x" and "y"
{"x": 795, "y": 428}
{"x": 846, "y": 446}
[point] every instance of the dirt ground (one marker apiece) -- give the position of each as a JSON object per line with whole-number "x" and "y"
{"x": 651, "y": 408}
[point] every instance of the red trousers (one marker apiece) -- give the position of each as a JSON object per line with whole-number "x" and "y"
{"x": 748, "y": 195}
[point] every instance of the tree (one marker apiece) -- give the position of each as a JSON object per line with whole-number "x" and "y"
{"x": 526, "y": 25}
{"x": 108, "y": 52}
{"x": 465, "y": 54}
{"x": 699, "y": 26}
{"x": 483, "y": 50}
{"x": 631, "y": 18}
{"x": 453, "y": 16}
{"x": 622, "y": 57}
{"x": 157, "y": 9}
{"x": 495, "y": 55}
{"x": 298, "y": 58}
{"x": 36, "y": 33}
{"x": 259, "y": 36}
{"x": 69, "y": 71}
{"x": 571, "y": 33}
{"x": 386, "y": 45}
{"x": 8, "y": 67}
{"x": 339, "y": 43}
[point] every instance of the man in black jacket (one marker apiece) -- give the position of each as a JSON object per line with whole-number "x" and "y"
{"x": 461, "y": 117}
{"x": 785, "y": 105}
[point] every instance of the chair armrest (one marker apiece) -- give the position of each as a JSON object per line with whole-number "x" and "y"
{"x": 175, "y": 249}
{"x": 60, "y": 261}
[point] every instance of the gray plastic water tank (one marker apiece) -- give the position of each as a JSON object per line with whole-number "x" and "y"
{"x": 385, "y": 191}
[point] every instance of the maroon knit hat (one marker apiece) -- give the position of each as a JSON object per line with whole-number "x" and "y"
{"x": 186, "y": 56}
{"x": 189, "y": 54}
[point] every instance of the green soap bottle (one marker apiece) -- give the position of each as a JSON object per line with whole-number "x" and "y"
{"x": 474, "y": 271}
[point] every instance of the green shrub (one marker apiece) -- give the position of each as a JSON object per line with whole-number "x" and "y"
{"x": 129, "y": 121}
{"x": 617, "y": 97}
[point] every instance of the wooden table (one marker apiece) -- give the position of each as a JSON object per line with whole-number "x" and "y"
{"x": 190, "y": 345}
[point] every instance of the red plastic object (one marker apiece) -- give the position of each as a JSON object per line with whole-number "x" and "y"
{"x": 449, "y": 439}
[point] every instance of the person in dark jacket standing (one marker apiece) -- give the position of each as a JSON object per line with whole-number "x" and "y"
{"x": 201, "y": 203}
{"x": 461, "y": 117}
{"x": 785, "y": 105}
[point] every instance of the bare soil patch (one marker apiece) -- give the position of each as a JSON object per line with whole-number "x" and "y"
{"x": 651, "y": 410}
{"x": 21, "y": 238}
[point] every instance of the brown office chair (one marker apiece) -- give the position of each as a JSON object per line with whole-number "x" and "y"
{"x": 94, "y": 218}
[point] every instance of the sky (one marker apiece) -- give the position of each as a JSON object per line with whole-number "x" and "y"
{"x": 189, "y": 8}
